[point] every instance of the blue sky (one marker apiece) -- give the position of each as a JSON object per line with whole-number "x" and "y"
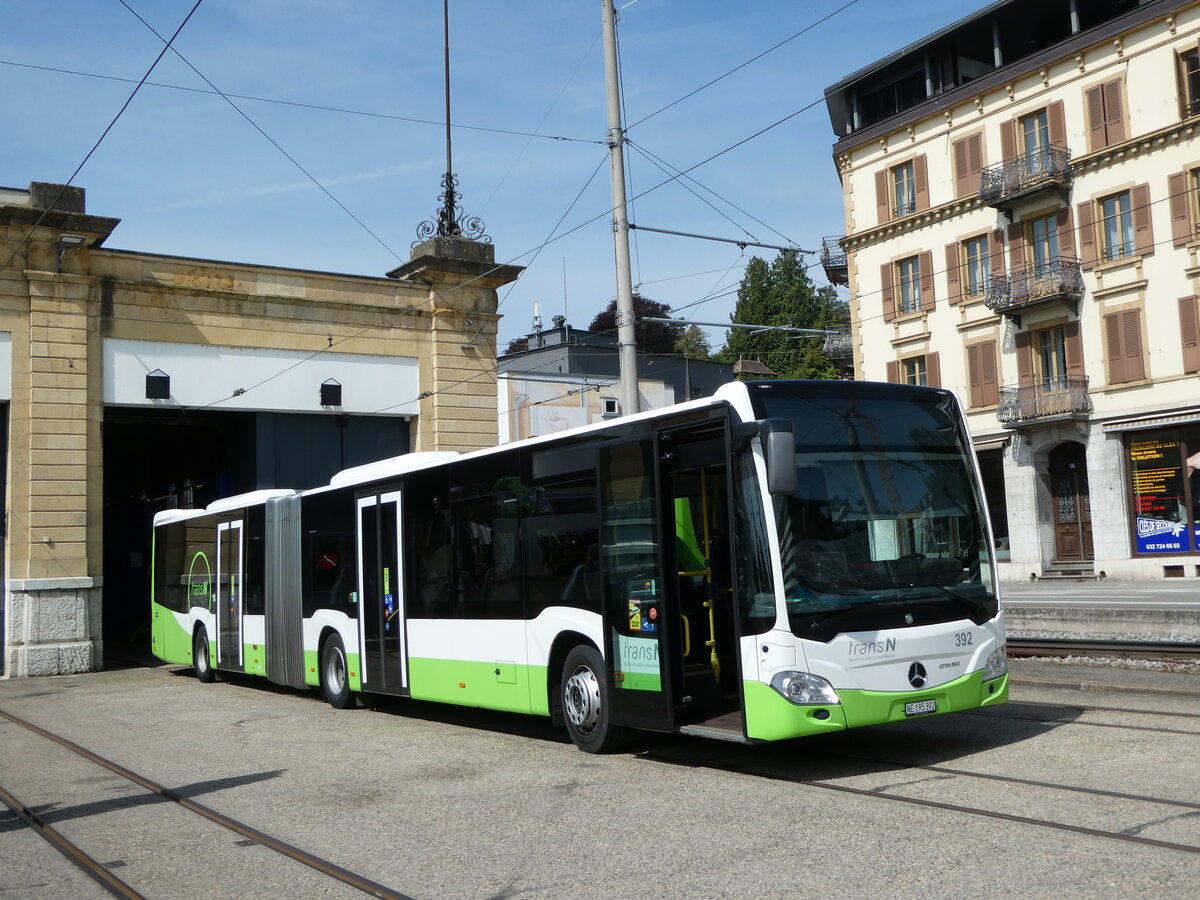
{"x": 188, "y": 175}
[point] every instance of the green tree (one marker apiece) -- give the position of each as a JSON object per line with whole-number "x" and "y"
{"x": 782, "y": 294}
{"x": 693, "y": 344}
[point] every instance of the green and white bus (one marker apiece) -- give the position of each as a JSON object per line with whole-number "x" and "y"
{"x": 778, "y": 560}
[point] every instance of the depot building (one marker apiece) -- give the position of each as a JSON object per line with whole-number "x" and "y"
{"x": 134, "y": 382}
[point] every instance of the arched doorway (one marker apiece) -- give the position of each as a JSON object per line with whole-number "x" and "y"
{"x": 1072, "y": 512}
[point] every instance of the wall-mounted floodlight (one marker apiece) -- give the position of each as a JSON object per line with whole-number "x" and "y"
{"x": 331, "y": 393}
{"x": 158, "y": 385}
{"x": 67, "y": 242}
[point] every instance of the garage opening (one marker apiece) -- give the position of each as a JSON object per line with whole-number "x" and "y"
{"x": 185, "y": 459}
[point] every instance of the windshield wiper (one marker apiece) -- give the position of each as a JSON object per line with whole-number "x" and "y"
{"x": 977, "y": 606}
{"x": 861, "y": 606}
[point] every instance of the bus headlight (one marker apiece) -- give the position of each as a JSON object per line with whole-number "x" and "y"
{"x": 805, "y": 689}
{"x": 997, "y": 663}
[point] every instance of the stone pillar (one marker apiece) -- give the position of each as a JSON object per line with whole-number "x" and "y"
{"x": 458, "y": 374}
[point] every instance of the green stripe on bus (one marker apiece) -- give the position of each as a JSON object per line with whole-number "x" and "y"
{"x": 769, "y": 717}
{"x": 502, "y": 686}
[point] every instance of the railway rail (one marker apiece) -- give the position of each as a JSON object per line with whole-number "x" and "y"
{"x": 98, "y": 871}
{"x": 1024, "y": 647}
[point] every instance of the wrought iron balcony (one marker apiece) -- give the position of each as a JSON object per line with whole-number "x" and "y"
{"x": 1046, "y": 169}
{"x": 1059, "y": 280}
{"x": 1046, "y": 400}
{"x": 833, "y": 260}
{"x": 838, "y": 346}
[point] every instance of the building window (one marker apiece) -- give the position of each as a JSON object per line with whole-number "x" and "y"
{"x": 1123, "y": 339}
{"x": 1164, "y": 484}
{"x": 1043, "y": 244}
{"x": 1051, "y": 357}
{"x": 1106, "y": 116}
{"x": 1116, "y": 227}
{"x": 904, "y": 190}
{"x": 983, "y": 373}
{"x": 978, "y": 265}
{"x": 1189, "y": 66}
{"x": 909, "y": 278}
{"x": 915, "y": 371}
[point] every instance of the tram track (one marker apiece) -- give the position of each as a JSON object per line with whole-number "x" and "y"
{"x": 1090, "y": 647}
{"x": 97, "y": 870}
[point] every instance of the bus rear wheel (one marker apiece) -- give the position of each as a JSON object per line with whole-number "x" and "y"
{"x": 204, "y": 669}
{"x": 335, "y": 684}
{"x": 585, "y": 703}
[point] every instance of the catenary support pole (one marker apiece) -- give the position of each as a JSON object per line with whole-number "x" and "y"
{"x": 626, "y": 337}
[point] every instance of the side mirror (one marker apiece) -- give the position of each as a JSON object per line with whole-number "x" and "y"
{"x": 779, "y": 448}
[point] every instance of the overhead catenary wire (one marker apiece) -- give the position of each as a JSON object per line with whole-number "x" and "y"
{"x": 167, "y": 45}
{"x": 270, "y": 139}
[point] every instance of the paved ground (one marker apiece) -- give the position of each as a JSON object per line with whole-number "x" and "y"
{"x": 441, "y": 802}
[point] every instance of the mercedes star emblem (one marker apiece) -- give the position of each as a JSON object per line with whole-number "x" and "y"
{"x": 916, "y": 675}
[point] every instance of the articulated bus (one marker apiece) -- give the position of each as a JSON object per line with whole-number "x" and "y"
{"x": 778, "y": 560}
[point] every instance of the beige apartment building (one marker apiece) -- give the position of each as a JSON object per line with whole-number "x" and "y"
{"x": 134, "y": 382}
{"x": 1022, "y": 227}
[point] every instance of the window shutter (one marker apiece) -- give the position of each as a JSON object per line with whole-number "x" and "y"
{"x": 961, "y": 168}
{"x": 1131, "y": 338}
{"x": 1087, "y": 236}
{"x": 1024, "y": 357}
{"x": 1074, "y": 349}
{"x": 921, "y": 180}
{"x": 1189, "y": 331}
{"x": 1116, "y": 356}
{"x": 953, "y": 274}
{"x": 975, "y": 374}
{"x": 883, "y": 200}
{"x": 887, "y": 280}
{"x": 1095, "y": 113}
{"x": 926, "y": 265}
{"x": 933, "y": 370}
{"x": 893, "y": 372}
{"x": 1114, "y": 114}
{"x": 974, "y": 161}
{"x": 1181, "y": 219}
{"x": 996, "y": 252}
{"x": 1016, "y": 246}
{"x": 1065, "y": 229}
{"x": 990, "y": 380}
{"x": 1143, "y": 230}
{"x": 1057, "y": 124}
{"x": 1008, "y": 139}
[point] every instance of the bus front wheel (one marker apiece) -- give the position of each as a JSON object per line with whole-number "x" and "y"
{"x": 585, "y": 703}
{"x": 204, "y": 669}
{"x": 334, "y": 683}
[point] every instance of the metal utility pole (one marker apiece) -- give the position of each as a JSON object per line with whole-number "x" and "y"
{"x": 626, "y": 338}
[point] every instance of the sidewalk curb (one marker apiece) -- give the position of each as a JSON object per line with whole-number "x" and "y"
{"x": 1105, "y": 686}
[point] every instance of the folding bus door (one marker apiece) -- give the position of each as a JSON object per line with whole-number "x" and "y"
{"x": 229, "y": 594}
{"x": 641, "y": 618}
{"x": 381, "y": 616}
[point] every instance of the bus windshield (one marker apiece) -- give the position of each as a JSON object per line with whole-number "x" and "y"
{"x": 885, "y": 526}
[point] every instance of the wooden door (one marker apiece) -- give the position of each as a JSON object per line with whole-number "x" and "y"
{"x": 1072, "y": 509}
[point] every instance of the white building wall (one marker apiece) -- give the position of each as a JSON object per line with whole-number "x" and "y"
{"x": 1157, "y": 144}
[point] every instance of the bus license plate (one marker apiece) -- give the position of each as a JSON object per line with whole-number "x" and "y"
{"x": 920, "y": 707}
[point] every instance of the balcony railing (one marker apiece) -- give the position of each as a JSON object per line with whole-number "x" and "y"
{"x": 1051, "y": 398}
{"x": 1020, "y": 289}
{"x": 1049, "y": 167}
{"x": 838, "y": 346}
{"x": 833, "y": 260}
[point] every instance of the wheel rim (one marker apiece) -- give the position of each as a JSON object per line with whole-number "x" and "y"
{"x": 581, "y": 699}
{"x": 201, "y": 654}
{"x": 335, "y": 670}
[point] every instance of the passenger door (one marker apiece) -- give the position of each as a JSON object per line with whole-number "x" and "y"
{"x": 640, "y": 616}
{"x": 229, "y": 594}
{"x": 381, "y": 611}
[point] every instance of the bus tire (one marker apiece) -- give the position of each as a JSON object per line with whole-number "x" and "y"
{"x": 585, "y": 706}
{"x": 200, "y": 660}
{"x": 335, "y": 684}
